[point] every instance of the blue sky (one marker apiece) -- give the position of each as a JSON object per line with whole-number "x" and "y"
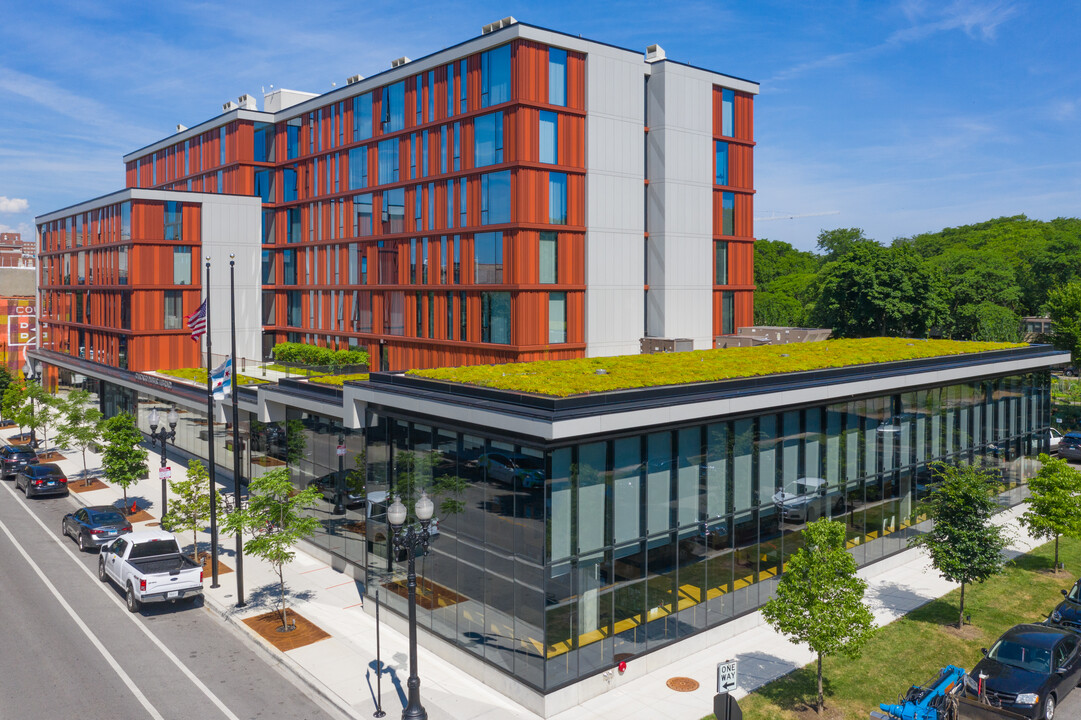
{"x": 896, "y": 117}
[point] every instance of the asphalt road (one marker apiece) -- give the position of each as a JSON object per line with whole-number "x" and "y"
{"x": 70, "y": 649}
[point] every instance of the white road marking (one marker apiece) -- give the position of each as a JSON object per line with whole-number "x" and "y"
{"x": 107, "y": 589}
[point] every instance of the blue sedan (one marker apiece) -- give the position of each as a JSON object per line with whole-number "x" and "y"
{"x": 94, "y": 526}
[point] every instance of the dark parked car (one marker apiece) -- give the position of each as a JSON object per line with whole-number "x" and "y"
{"x": 1069, "y": 446}
{"x": 1068, "y": 612}
{"x": 1029, "y": 670}
{"x": 42, "y": 479}
{"x": 94, "y": 526}
{"x": 13, "y": 458}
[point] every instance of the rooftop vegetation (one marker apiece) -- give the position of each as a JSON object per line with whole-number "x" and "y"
{"x": 198, "y": 375}
{"x": 338, "y": 380}
{"x": 562, "y": 378}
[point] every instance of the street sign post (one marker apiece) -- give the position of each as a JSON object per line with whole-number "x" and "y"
{"x": 341, "y": 450}
{"x": 726, "y": 676}
{"x": 165, "y": 473}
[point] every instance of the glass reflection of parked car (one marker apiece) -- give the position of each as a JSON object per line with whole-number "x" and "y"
{"x": 807, "y": 499}
{"x": 1069, "y": 446}
{"x": 508, "y": 467}
{"x": 895, "y": 423}
{"x": 328, "y": 486}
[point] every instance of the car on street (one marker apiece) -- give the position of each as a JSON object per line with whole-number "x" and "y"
{"x": 1069, "y": 446}
{"x": 94, "y": 526}
{"x": 1068, "y": 612}
{"x": 148, "y": 567}
{"x": 14, "y": 458}
{"x": 1054, "y": 436}
{"x": 328, "y": 485}
{"x": 41, "y": 479}
{"x": 1029, "y": 670}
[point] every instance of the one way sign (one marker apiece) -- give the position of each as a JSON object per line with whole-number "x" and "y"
{"x": 726, "y": 676}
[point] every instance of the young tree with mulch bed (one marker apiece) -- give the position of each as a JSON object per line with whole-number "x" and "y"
{"x": 965, "y": 547}
{"x": 191, "y": 506}
{"x": 275, "y": 521}
{"x": 123, "y": 459}
{"x": 14, "y": 399}
{"x": 1054, "y": 508}
{"x": 40, "y": 411}
{"x": 819, "y": 599}
{"x": 81, "y": 427}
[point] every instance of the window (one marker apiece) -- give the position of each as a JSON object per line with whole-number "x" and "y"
{"x": 174, "y": 220}
{"x": 394, "y": 107}
{"x": 289, "y": 267}
{"x": 412, "y": 156}
{"x": 463, "y": 84}
{"x": 362, "y": 311}
{"x": 174, "y": 309}
{"x": 221, "y": 145}
{"x": 268, "y": 267}
{"x": 728, "y": 213}
{"x": 557, "y": 317}
{"x": 394, "y": 211}
{"x": 419, "y": 99}
{"x": 122, "y": 267}
{"x": 394, "y": 313}
{"x": 450, "y": 89}
{"x": 495, "y": 317}
{"x": 721, "y": 162}
{"x": 443, "y": 149}
{"x": 495, "y": 76}
{"x": 549, "y": 258}
{"x": 488, "y": 258}
{"x": 362, "y": 116}
{"x": 458, "y": 146}
{"x": 293, "y": 306}
{"x": 292, "y": 139}
{"x": 463, "y": 208}
{"x": 557, "y": 76}
{"x": 721, "y": 262}
{"x": 549, "y": 137}
{"x": 181, "y": 265}
{"x": 358, "y": 168}
{"x": 125, "y": 221}
{"x": 728, "y": 312}
{"x": 728, "y": 101}
{"x": 388, "y": 161}
{"x": 495, "y": 198}
{"x": 263, "y": 185}
{"x": 557, "y": 198}
{"x": 431, "y": 95}
{"x": 293, "y": 233}
{"x": 289, "y": 184}
{"x": 362, "y": 215}
{"x": 263, "y": 139}
{"x": 488, "y": 139}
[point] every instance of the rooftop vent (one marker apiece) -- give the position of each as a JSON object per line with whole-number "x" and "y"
{"x": 353, "y": 79}
{"x": 497, "y": 25}
{"x": 181, "y": 128}
{"x": 654, "y": 53}
{"x": 399, "y": 62}
{"x": 227, "y": 106}
{"x": 247, "y": 102}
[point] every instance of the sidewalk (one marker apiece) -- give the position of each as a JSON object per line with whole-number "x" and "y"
{"x": 340, "y": 668}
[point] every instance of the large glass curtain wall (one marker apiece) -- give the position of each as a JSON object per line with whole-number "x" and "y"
{"x": 555, "y": 563}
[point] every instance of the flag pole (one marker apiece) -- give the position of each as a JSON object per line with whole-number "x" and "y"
{"x": 236, "y": 435}
{"x": 210, "y": 441}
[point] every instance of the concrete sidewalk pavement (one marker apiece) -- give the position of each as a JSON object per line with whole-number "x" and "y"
{"x": 341, "y": 668}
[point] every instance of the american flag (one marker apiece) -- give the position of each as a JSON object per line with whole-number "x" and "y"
{"x": 196, "y": 322}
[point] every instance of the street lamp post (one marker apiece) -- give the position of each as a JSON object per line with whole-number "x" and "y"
{"x": 32, "y": 371}
{"x": 339, "y": 479}
{"x": 412, "y": 539}
{"x": 163, "y": 436}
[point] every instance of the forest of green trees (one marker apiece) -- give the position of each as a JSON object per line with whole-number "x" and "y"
{"x": 974, "y": 282}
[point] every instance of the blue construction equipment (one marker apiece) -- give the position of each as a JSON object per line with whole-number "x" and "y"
{"x": 927, "y": 702}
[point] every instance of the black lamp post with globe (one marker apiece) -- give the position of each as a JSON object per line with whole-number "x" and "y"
{"x": 163, "y": 436}
{"x": 413, "y": 540}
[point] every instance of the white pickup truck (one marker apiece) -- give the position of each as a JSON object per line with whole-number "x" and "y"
{"x": 148, "y": 566}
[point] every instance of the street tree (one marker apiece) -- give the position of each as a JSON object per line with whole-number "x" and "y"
{"x": 40, "y": 411}
{"x": 190, "y": 508}
{"x": 965, "y": 547}
{"x": 274, "y": 520}
{"x": 123, "y": 458}
{"x": 1054, "y": 507}
{"x": 820, "y": 600}
{"x": 1064, "y": 308}
{"x": 11, "y": 405}
{"x": 6, "y": 379}
{"x": 80, "y": 425}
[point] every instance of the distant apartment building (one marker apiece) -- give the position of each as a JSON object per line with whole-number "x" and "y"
{"x": 16, "y": 252}
{"x": 523, "y": 195}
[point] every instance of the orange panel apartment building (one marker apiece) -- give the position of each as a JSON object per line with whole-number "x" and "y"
{"x": 524, "y": 195}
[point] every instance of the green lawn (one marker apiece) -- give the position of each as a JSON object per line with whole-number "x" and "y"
{"x": 338, "y": 379}
{"x": 911, "y": 650}
{"x": 199, "y": 375}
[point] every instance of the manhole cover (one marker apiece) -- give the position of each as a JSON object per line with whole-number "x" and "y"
{"x": 682, "y": 684}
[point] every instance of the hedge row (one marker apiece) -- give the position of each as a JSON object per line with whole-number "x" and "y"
{"x": 313, "y": 355}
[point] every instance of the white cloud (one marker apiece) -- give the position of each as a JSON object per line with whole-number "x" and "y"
{"x": 13, "y": 205}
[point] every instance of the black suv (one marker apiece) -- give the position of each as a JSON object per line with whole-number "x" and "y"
{"x": 13, "y": 459}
